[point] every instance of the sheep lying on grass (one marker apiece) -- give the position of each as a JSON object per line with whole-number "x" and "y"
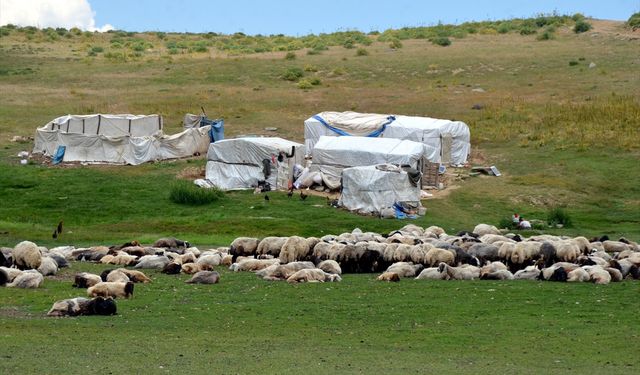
{"x": 108, "y": 289}
{"x": 29, "y": 279}
{"x": 312, "y": 275}
{"x": 83, "y": 306}
{"x": 204, "y": 277}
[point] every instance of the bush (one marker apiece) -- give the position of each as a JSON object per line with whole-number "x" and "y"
{"x": 185, "y": 192}
{"x": 315, "y": 81}
{"x": 441, "y": 41}
{"x": 362, "y": 52}
{"x": 507, "y": 223}
{"x": 310, "y": 68}
{"x": 305, "y": 84}
{"x": 292, "y": 74}
{"x": 573, "y": 63}
{"x": 290, "y": 56}
{"x": 558, "y": 216}
{"x": 581, "y": 26}
{"x": 634, "y": 21}
{"x": 546, "y": 36}
{"x": 527, "y": 30}
{"x": 395, "y": 43}
{"x": 97, "y": 49}
{"x": 348, "y": 44}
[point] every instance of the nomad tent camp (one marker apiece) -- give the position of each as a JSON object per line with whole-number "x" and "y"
{"x": 333, "y": 154}
{"x": 372, "y": 189}
{"x": 448, "y": 141}
{"x": 242, "y": 163}
{"x": 117, "y": 139}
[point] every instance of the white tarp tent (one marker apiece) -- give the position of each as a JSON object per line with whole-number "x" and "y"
{"x": 371, "y": 189}
{"x": 117, "y": 139}
{"x": 333, "y": 154}
{"x": 427, "y": 130}
{"x": 241, "y": 162}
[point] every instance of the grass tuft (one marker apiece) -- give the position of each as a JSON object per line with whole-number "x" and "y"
{"x": 185, "y": 192}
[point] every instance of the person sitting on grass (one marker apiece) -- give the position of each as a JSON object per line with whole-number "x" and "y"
{"x": 524, "y": 224}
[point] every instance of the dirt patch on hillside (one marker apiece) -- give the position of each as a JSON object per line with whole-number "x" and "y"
{"x": 191, "y": 173}
{"x": 615, "y": 28}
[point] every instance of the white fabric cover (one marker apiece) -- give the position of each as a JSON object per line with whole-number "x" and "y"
{"x": 237, "y": 163}
{"x": 111, "y": 141}
{"x": 333, "y": 154}
{"x": 191, "y": 121}
{"x": 419, "y": 129}
{"x": 368, "y": 190}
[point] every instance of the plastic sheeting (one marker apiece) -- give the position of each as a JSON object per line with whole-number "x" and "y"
{"x": 419, "y": 129}
{"x": 239, "y": 163}
{"x": 333, "y": 154}
{"x": 369, "y": 190}
{"x": 118, "y": 139}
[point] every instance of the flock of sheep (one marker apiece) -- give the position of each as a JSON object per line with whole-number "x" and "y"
{"x": 412, "y": 251}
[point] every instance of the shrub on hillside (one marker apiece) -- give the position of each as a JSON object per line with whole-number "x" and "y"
{"x": 362, "y": 52}
{"x": 546, "y": 35}
{"x": 292, "y": 74}
{"x": 634, "y": 21}
{"x": 305, "y": 84}
{"x": 290, "y": 56}
{"x": 395, "y": 43}
{"x": 558, "y": 216}
{"x": 581, "y": 26}
{"x": 185, "y": 192}
{"x": 441, "y": 41}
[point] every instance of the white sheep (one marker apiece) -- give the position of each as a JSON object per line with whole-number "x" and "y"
{"x": 432, "y": 273}
{"x": 283, "y": 271}
{"x": 26, "y": 255}
{"x": 152, "y": 262}
{"x": 389, "y": 276}
{"x": 405, "y": 269}
{"x": 436, "y": 256}
{"x": 253, "y": 264}
{"x": 578, "y": 275}
{"x": 528, "y": 273}
{"x": 243, "y": 246}
{"x": 29, "y": 279}
{"x": 271, "y": 245}
{"x": 312, "y": 275}
{"x": 482, "y": 229}
{"x": 83, "y": 306}
{"x": 86, "y": 280}
{"x": 48, "y": 266}
{"x": 109, "y": 289}
{"x": 294, "y": 248}
{"x": 204, "y": 277}
{"x": 117, "y": 276}
{"x": 466, "y": 272}
{"x": 330, "y": 266}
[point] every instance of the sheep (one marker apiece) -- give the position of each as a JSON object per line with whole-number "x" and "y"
{"x": 253, "y": 264}
{"x": 625, "y": 267}
{"x": 86, "y": 280}
{"x": 435, "y": 230}
{"x": 83, "y": 306}
{"x": 482, "y": 229}
{"x": 567, "y": 250}
{"x": 11, "y": 273}
{"x": 60, "y": 260}
{"x": 4, "y": 277}
{"x": 117, "y": 276}
{"x": 460, "y": 273}
{"x": 26, "y": 255}
{"x": 283, "y": 271}
{"x": 389, "y": 276}
{"x": 204, "y": 277}
{"x": 137, "y": 251}
{"x": 578, "y": 275}
{"x": 413, "y": 230}
{"x": 111, "y": 289}
{"x": 583, "y": 244}
{"x": 171, "y": 242}
{"x": 403, "y": 253}
{"x": 48, "y": 266}
{"x": 271, "y": 245}
{"x": 389, "y": 251}
{"x": 405, "y": 239}
{"x": 492, "y": 267}
{"x": 497, "y": 275}
{"x": 135, "y": 276}
{"x": 243, "y": 246}
{"x": 484, "y": 252}
{"x": 172, "y": 268}
{"x": 294, "y": 248}
{"x": 492, "y": 238}
{"x": 312, "y": 275}
{"x": 528, "y": 273}
{"x": 634, "y": 258}
{"x": 29, "y": 279}
{"x": 436, "y": 256}
{"x": 405, "y": 269}
{"x": 152, "y": 262}
{"x": 615, "y": 274}
{"x": 598, "y": 275}
{"x": 548, "y": 253}
{"x": 209, "y": 259}
{"x": 330, "y": 266}
{"x": 586, "y": 260}
{"x": 92, "y": 254}
{"x": 432, "y": 273}
{"x": 614, "y": 246}
{"x": 554, "y": 273}
{"x": 524, "y": 253}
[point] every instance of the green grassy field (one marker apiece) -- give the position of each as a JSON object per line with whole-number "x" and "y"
{"x": 563, "y": 134}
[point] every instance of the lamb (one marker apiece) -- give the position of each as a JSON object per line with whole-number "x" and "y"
{"x": 26, "y": 255}
{"x": 253, "y": 264}
{"x": 405, "y": 269}
{"x": 436, "y": 256}
{"x": 83, "y": 306}
{"x": 152, "y": 262}
{"x": 243, "y": 246}
{"x": 271, "y": 245}
{"x": 171, "y": 242}
{"x": 528, "y": 273}
{"x": 135, "y": 276}
{"x": 330, "y": 266}
{"x": 312, "y": 275}
{"x": 294, "y": 248}
{"x": 283, "y": 271}
{"x": 497, "y": 275}
{"x": 459, "y": 273}
{"x": 86, "y": 280}
{"x": 117, "y": 276}
{"x": 389, "y": 276}
{"x": 432, "y": 273}
{"x": 29, "y": 279}
{"x": 204, "y": 277}
{"x": 482, "y": 229}
{"x": 578, "y": 275}
{"x": 48, "y": 266}
{"x": 109, "y": 289}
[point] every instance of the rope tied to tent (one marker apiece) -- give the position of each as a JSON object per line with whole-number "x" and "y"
{"x": 373, "y": 134}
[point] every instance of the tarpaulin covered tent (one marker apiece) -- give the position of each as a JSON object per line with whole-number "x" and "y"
{"x": 117, "y": 139}
{"x": 333, "y": 154}
{"x": 435, "y": 133}
{"x": 372, "y": 189}
{"x": 241, "y": 163}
